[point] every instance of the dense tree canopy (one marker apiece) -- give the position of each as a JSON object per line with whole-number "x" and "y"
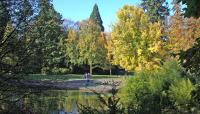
{"x": 48, "y": 34}
{"x": 86, "y": 45}
{"x": 70, "y": 46}
{"x": 92, "y": 48}
{"x": 136, "y": 41}
{"x": 16, "y": 18}
{"x": 34, "y": 39}
{"x": 184, "y": 30}
{"x": 190, "y": 59}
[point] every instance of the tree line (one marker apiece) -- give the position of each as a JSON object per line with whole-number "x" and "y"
{"x": 33, "y": 40}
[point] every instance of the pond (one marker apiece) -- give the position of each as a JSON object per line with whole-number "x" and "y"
{"x": 58, "y": 101}
{"x": 42, "y": 101}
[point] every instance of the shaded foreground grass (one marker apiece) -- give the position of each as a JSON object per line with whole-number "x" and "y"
{"x": 65, "y": 77}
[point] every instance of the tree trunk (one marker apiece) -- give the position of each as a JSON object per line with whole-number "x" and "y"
{"x": 110, "y": 70}
{"x": 90, "y": 68}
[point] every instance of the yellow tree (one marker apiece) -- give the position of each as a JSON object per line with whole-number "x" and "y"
{"x": 136, "y": 41}
{"x": 91, "y": 45}
{"x": 108, "y": 45}
{"x": 69, "y": 46}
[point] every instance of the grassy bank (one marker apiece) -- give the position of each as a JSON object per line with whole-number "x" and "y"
{"x": 65, "y": 77}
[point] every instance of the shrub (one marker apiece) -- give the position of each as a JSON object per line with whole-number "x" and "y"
{"x": 180, "y": 92}
{"x": 60, "y": 71}
{"x": 45, "y": 70}
{"x": 156, "y": 91}
{"x": 190, "y": 59}
{"x": 109, "y": 104}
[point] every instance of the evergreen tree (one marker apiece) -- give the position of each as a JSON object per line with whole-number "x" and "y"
{"x": 192, "y": 9}
{"x": 156, "y": 9}
{"x": 95, "y": 16}
{"x": 48, "y": 34}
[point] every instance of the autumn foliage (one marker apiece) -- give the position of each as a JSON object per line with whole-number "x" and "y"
{"x": 182, "y": 31}
{"x": 136, "y": 40}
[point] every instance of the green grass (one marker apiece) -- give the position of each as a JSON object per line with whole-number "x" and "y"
{"x": 64, "y": 77}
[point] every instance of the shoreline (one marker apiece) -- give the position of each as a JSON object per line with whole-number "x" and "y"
{"x": 99, "y": 85}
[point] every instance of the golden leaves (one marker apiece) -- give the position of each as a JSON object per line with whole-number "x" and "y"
{"x": 136, "y": 41}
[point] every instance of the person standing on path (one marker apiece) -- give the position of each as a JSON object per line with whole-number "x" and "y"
{"x": 85, "y": 75}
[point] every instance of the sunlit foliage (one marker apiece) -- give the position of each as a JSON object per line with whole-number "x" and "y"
{"x": 136, "y": 41}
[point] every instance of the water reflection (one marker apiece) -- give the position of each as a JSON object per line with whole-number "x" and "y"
{"x": 58, "y": 101}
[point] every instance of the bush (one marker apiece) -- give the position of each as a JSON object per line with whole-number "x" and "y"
{"x": 190, "y": 59}
{"x": 157, "y": 91}
{"x": 45, "y": 70}
{"x": 60, "y": 71}
{"x": 180, "y": 93}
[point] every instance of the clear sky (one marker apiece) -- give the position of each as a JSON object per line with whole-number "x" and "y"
{"x": 77, "y": 10}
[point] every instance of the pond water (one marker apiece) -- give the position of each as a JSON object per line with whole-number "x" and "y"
{"x": 58, "y": 101}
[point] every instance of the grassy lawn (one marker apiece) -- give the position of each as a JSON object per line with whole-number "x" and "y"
{"x": 65, "y": 77}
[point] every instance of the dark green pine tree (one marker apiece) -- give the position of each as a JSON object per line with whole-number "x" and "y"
{"x": 95, "y": 16}
{"x": 48, "y": 34}
{"x": 156, "y": 9}
{"x": 192, "y": 9}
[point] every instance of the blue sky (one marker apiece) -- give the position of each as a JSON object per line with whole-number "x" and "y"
{"x": 77, "y": 10}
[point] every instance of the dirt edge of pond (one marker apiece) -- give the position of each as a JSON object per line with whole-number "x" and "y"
{"x": 98, "y": 85}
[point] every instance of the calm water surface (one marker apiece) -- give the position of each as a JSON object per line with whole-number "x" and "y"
{"x": 57, "y": 101}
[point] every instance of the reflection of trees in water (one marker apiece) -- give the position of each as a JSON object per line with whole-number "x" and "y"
{"x": 58, "y": 100}
{"x": 46, "y": 101}
{"x": 88, "y": 99}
